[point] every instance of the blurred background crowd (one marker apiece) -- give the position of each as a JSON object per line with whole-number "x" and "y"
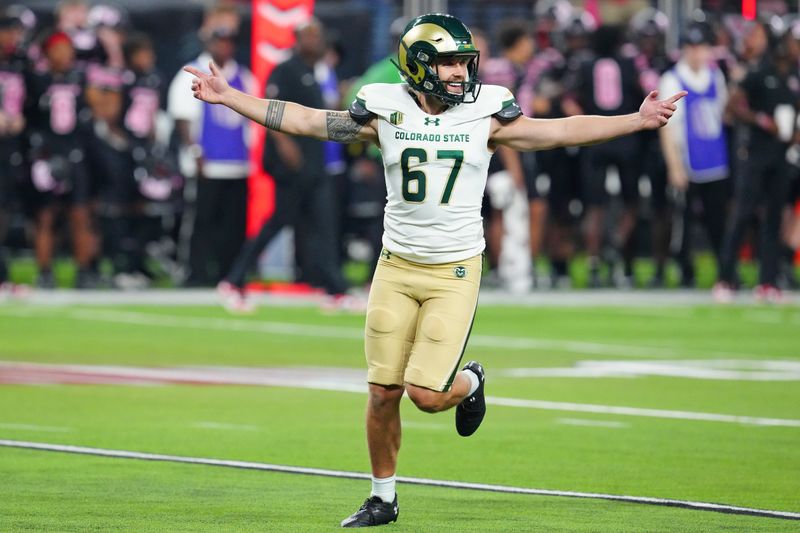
{"x": 112, "y": 175}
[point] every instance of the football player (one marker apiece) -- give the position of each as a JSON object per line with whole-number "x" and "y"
{"x": 437, "y": 132}
{"x": 60, "y": 182}
{"x": 607, "y": 84}
{"x": 12, "y": 124}
{"x": 648, "y": 30}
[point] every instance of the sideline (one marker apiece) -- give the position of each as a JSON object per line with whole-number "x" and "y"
{"x": 679, "y": 298}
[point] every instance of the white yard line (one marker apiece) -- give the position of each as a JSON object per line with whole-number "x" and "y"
{"x": 664, "y": 502}
{"x": 710, "y": 369}
{"x": 346, "y": 332}
{"x": 636, "y": 411}
{"x": 339, "y": 380}
{"x": 592, "y": 423}
{"x": 223, "y": 324}
{"x": 225, "y": 427}
{"x": 36, "y": 427}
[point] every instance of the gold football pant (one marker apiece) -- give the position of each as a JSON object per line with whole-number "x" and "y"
{"x": 418, "y": 320}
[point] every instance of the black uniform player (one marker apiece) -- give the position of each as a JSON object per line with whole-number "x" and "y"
{"x": 609, "y": 85}
{"x": 57, "y": 140}
{"x": 142, "y": 88}
{"x": 767, "y": 101}
{"x": 647, "y": 50}
{"x": 155, "y": 171}
{"x": 142, "y": 93}
{"x": 111, "y": 167}
{"x": 556, "y": 70}
{"x": 12, "y": 123}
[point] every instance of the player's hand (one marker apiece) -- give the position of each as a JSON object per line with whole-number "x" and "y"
{"x": 655, "y": 113}
{"x": 210, "y": 88}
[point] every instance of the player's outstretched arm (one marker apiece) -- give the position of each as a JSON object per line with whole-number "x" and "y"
{"x": 286, "y": 117}
{"x": 527, "y": 134}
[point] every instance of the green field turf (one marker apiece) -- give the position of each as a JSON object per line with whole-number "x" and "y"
{"x": 738, "y": 464}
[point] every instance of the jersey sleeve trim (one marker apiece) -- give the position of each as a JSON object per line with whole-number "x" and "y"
{"x": 359, "y": 112}
{"x": 509, "y": 111}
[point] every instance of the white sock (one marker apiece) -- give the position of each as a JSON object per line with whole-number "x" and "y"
{"x": 473, "y": 380}
{"x": 383, "y": 488}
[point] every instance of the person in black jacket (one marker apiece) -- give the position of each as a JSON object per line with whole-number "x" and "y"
{"x": 304, "y": 193}
{"x": 767, "y": 102}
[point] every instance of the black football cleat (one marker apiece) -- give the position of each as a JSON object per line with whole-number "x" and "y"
{"x": 374, "y": 512}
{"x": 470, "y": 412}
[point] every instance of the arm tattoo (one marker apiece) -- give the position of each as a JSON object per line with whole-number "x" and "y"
{"x": 274, "y": 114}
{"x": 341, "y": 127}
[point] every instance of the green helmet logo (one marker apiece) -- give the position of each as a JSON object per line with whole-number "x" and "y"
{"x": 426, "y": 40}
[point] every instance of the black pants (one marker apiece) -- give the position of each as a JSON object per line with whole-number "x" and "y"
{"x": 5, "y": 201}
{"x": 763, "y": 182}
{"x": 310, "y": 207}
{"x": 654, "y": 166}
{"x": 4, "y": 217}
{"x": 564, "y": 168}
{"x": 122, "y": 239}
{"x": 624, "y": 153}
{"x": 712, "y": 198}
{"x": 219, "y": 229}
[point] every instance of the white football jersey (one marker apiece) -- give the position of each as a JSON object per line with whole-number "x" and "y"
{"x": 436, "y": 168}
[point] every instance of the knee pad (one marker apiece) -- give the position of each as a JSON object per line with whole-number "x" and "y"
{"x": 381, "y": 321}
{"x": 434, "y": 328}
